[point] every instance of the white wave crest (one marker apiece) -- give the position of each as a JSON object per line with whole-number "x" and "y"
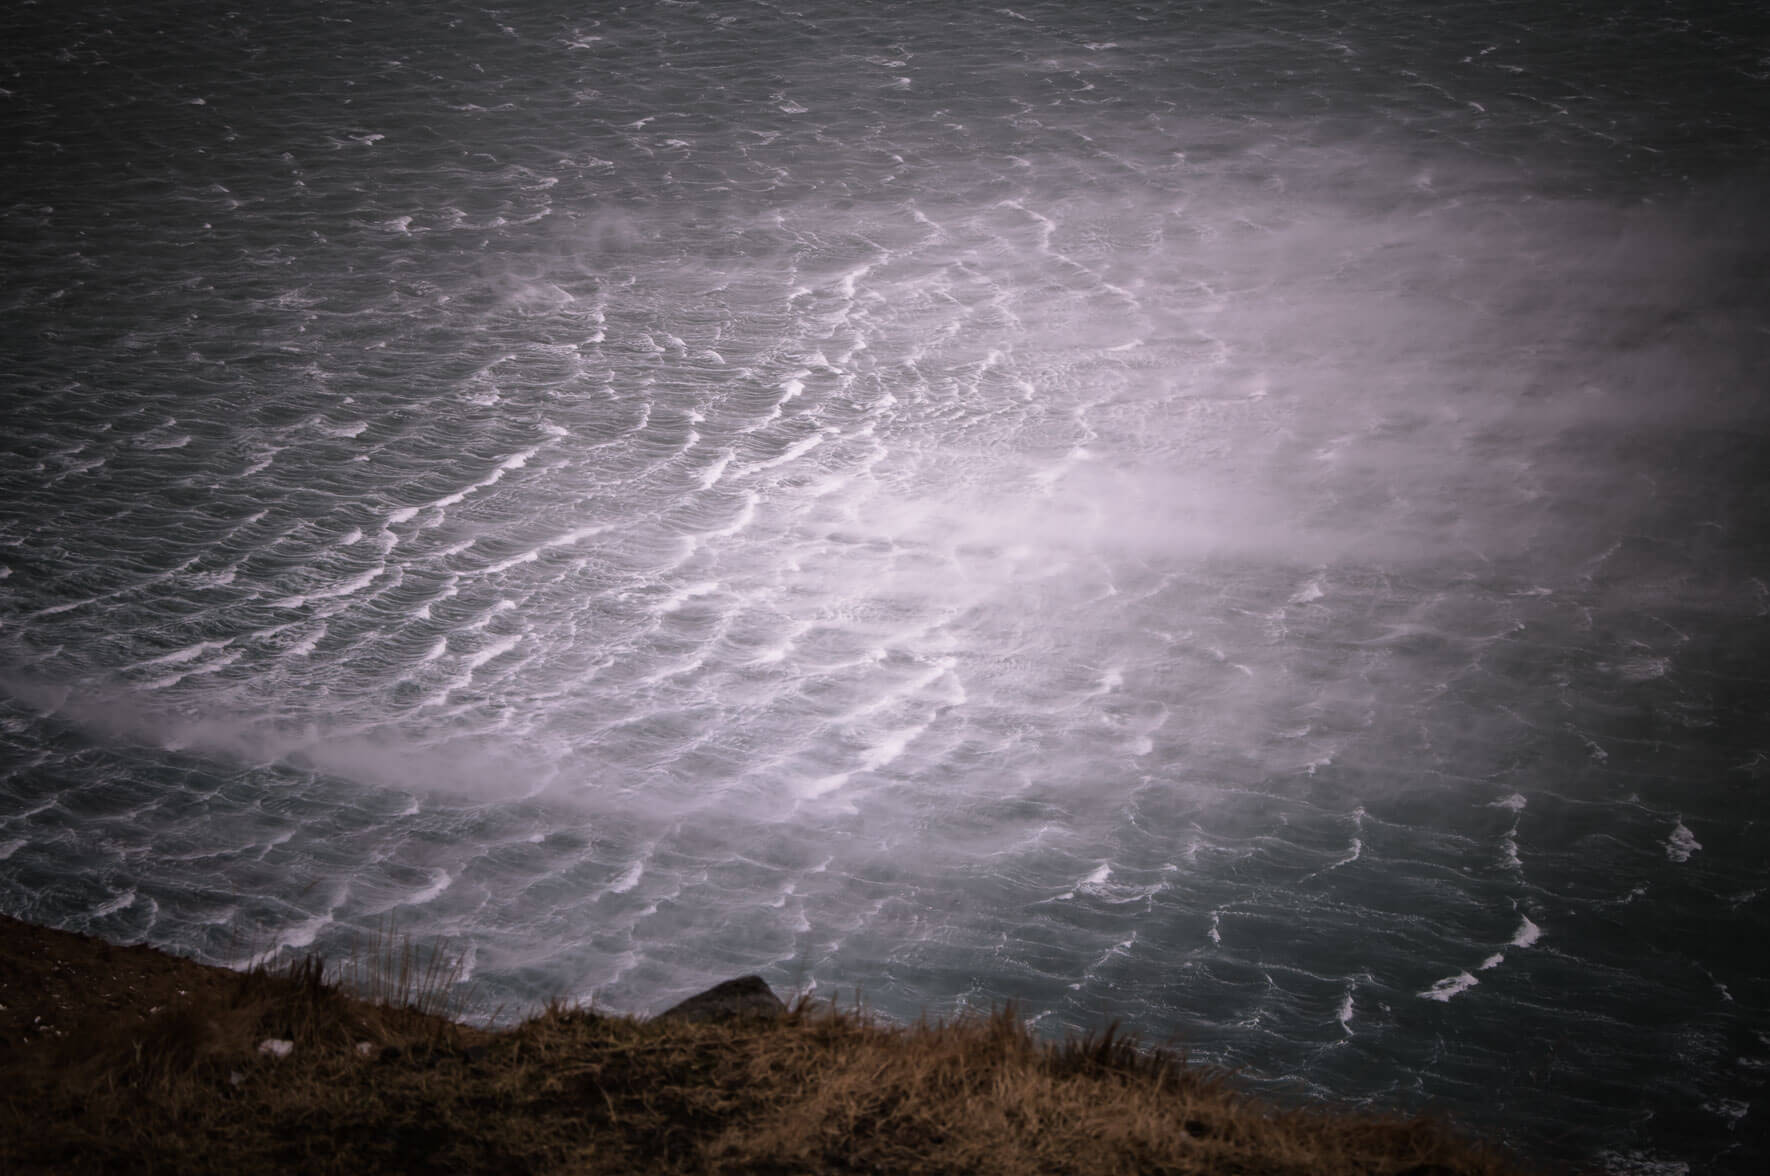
{"x": 1450, "y": 986}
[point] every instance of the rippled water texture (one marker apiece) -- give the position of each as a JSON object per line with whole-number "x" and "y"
{"x": 1238, "y": 518}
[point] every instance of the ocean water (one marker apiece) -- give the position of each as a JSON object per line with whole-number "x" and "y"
{"x": 1248, "y": 519}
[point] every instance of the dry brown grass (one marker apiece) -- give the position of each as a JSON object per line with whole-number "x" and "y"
{"x": 187, "y": 1090}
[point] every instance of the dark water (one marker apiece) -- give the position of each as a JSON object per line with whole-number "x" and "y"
{"x": 1243, "y": 518}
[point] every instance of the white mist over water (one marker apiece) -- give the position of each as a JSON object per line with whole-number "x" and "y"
{"x": 1056, "y": 497}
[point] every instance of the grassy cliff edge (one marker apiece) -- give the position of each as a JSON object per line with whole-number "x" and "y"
{"x": 127, "y": 1059}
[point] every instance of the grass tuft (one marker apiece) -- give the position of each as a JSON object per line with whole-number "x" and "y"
{"x": 818, "y": 1090}
{"x": 390, "y": 970}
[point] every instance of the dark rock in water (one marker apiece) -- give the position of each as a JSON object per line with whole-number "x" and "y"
{"x": 747, "y": 996}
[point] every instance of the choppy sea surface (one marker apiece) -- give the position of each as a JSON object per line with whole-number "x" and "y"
{"x": 1245, "y": 518}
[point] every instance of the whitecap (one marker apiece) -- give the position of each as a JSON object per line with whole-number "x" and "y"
{"x": 773, "y": 653}
{"x": 711, "y": 473}
{"x": 347, "y": 588}
{"x": 1681, "y": 844}
{"x": 1730, "y": 1108}
{"x": 440, "y": 881}
{"x": 1643, "y": 669}
{"x": 464, "y": 964}
{"x": 206, "y": 668}
{"x": 524, "y": 557}
{"x": 122, "y": 902}
{"x": 355, "y": 584}
{"x": 303, "y": 933}
{"x": 492, "y": 650}
{"x": 796, "y": 450}
{"x": 1353, "y": 853}
{"x": 1639, "y": 1165}
{"x": 1527, "y": 933}
{"x": 56, "y": 609}
{"x": 629, "y": 879}
{"x": 306, "y": 645}
{"x": 1309, "y": 592}
{"x": 188, "y": 653}
{"x": 534, "y": 553}
{"x": 743, "y": 519}
{"x": 890, "y": 747}
{"x": 1492, "y": 961}
{"x": 822, "y": 786}
{"x": 1450, "y": 986}
{"x": 514, "y": 462}
{"x": 281, "y": 837}
{"x": 682, "y": 596}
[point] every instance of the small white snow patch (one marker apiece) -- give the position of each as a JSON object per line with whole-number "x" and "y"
{"x": 365, "y": 1048}
{"x": 275, "y": 1048}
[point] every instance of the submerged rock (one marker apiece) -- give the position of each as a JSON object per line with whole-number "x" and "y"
{"x": 746, "y": 996}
